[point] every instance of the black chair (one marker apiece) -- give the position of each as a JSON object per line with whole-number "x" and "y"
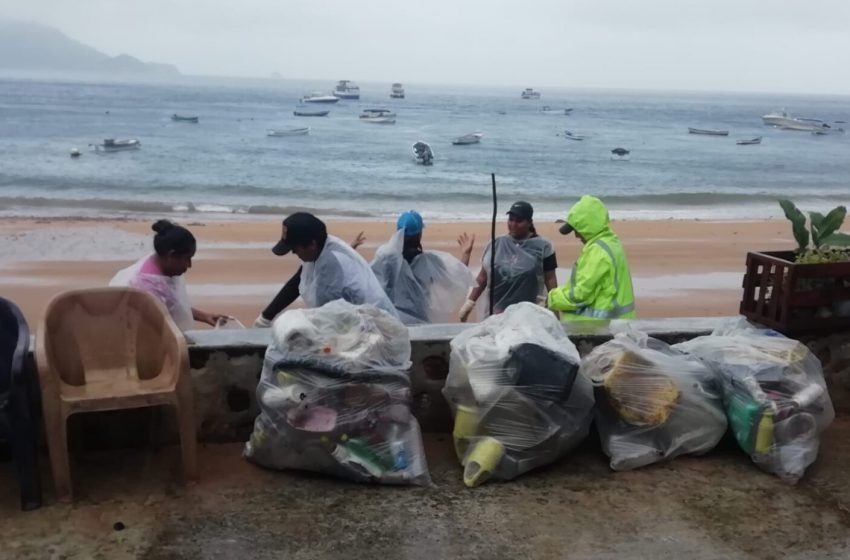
{"x": 18, "y": 415}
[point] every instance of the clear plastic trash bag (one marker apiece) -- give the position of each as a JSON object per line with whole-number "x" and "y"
{"x": 430, "y": 289}
{"x": 653, "y": 403}
{"x": 774, "y": 393}
{"x": 345, "y": 336}
{"x": 341, "y": 273}
{"x": 515, "y": 394}
{"x": 323, "y": 408}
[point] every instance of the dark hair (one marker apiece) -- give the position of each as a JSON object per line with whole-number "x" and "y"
{"x": 171, "y": 237}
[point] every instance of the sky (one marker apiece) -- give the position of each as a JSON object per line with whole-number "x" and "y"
{"x": 780, "y": 46}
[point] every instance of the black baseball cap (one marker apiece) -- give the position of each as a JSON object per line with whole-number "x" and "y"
{"x": 521, "y": 209}
{"x": 299, "y": 229}
{"x": 565, "y": 228}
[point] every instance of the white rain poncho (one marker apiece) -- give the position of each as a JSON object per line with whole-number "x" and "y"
{"x": 774, "y": 392}
{"x": 341, "y": 273}
{"x": 516, "y": 394}
{"x": 170, "y": 290}
{"x": 519, "y": 271}
{"x": 430, "y": 289}
{"x": 653, "y": 403}
{"x": 335, "y": 397}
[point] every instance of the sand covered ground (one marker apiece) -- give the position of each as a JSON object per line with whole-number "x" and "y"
{"x": 680, "y": 268}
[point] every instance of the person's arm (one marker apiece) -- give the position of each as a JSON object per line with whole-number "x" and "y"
{"x": 208, "y": 318}
{"x": 474, "y": 294}
{"x": 466, "y": 243}
{"x": 284, "y": 298}
{"x": 593, "y": 275}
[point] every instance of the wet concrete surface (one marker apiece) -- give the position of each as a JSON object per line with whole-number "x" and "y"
{"x": 717, "y": 506}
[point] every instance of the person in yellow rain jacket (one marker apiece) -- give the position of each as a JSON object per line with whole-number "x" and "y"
{"x": 600, "y": 286}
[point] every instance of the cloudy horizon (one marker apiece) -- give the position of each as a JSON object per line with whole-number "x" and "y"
{"x": 782, "y": 46}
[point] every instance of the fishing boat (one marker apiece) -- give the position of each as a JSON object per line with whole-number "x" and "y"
{"x": 346, "y": 89}
{"x": 397, "y": 91}
{"x": 529, "y": 93}
{"x": 708, "y": 132}
{"x": 181, "y": 118}
{"x": 466, "y": 139}
{"x": 620, "y": 154}
{"x": 423, "y": 154}
{"x": 112, "y": 145}
{"x": 75, "y": 153}
{"x": 318, "y": 97}
{"x": 546, "y": 110}
{"x": 378, "y": 116}
{"x": 310, "y": 112}
{"x": 750, "y": 142}
{"x": 572, "y": 136}
{"x": 278, "y": 132}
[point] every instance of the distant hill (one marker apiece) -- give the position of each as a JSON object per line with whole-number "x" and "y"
{"x": 31, "y": 47}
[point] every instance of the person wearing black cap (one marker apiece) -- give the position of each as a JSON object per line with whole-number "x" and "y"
{"x": 525, "y": 265}
{"x": 600, "y": 286}
{"x": 331, "y": 270}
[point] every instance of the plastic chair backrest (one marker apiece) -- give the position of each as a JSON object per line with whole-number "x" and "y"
{"x": 14, "y": 344}
{"x": 120, "y": 330}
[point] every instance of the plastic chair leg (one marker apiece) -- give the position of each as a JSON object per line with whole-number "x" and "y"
{"x": 56, "y": 429}
{"x": 25, "y": 453}
{"x": 188, "y": 440}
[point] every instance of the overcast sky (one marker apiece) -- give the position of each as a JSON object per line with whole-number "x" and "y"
{"x": 733, "y": 45}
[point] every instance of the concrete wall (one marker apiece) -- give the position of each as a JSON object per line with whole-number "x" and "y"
{"x": 226, "y": 366}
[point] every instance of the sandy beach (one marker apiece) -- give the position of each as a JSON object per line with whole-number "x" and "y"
{"x": 680, "y": 267}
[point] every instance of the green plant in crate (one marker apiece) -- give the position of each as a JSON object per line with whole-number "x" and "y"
{"x": 821, "y": 242}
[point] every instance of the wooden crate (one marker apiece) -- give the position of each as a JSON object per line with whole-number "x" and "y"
{"x": 796, "y": 298}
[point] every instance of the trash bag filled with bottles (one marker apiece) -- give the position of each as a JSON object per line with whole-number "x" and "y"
{"x": 515, "y": 394}
{"x": 653, "y": 403}
{"x": 335, "y": 397}
{"x": 774, "y": 393}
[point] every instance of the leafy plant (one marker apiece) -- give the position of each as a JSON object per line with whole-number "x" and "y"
{"x": 821, "y": 242}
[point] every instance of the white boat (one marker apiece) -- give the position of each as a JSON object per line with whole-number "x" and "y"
{"x": 423, "y": 154}
{"x": 572, "y": 136}
{"x": 346, "y": 89}
{"x": 547, "y": 110}
{"x": 378, "y": 116}
{"x": 807, "y": 125}
{"x": 310, "y": 112}
{"x": 529, "y": 93}
{"x": 277, "y": 132}
{"x": 112, "y": 145}
{"x": 750, "y": 142}
{"x": 182, "y": 118}
{"x": 466, "y": 139}
{"x": 75, "y": 153}
{"x": 397, "y": 91}
{"x": 620, "y": 154}
{"x": 782, "y": 119}
{"x": 318, "y": 97}
{"x": 708, "y": 132}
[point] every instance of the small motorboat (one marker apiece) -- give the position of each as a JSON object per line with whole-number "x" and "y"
{"x": 750, "y": 142}
{"x": 112, "y": 145}
{"x": 378, "y": 116}
{"x": 466, "y": 139}
{"x": 397, "y": 91}
{"x": 318, "y": 97}
{"x": 620, "y": 154}
{"x": 310, "y": 112}
{"x": 423, "y": 154}
{"x": 181, "y": 118}
{"x": 708, "y": 132}
{"x": 529, "y": 93}
{"x": 572, "y": 136}
{"x": 546, "y": 110}
{"x": 278, "y": 132}
{"x": 75, "y": 153}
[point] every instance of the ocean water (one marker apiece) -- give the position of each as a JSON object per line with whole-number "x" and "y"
{"x": 227, "y": 167}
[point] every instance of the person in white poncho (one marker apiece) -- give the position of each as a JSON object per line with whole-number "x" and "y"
{"x": 161, "y": 274}
{"x": 331, "y": 269}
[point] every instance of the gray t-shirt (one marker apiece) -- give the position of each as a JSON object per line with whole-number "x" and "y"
{"x": 519, "y": 269}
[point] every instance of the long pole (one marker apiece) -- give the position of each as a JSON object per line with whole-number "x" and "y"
{"x": 492, "y": 282}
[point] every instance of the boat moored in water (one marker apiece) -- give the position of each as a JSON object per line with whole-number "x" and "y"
{"x": 183, "y": 118}
{"x": 112, "y": 145}
{"x": 318, "y": 97}
{"x": 310, "y": 112}
{"x": 378, "y": 116}
{"x": 620, "y": 154}
{"x": 708, "y": 132}
{"x": 466, "y": 139}
{"x": 295, "y": 131}
{"x": 529, "y": 93}
{"x": 750, "y": 142}
{"x": 397, "y": 91}
{"x": 346, "y": 89}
